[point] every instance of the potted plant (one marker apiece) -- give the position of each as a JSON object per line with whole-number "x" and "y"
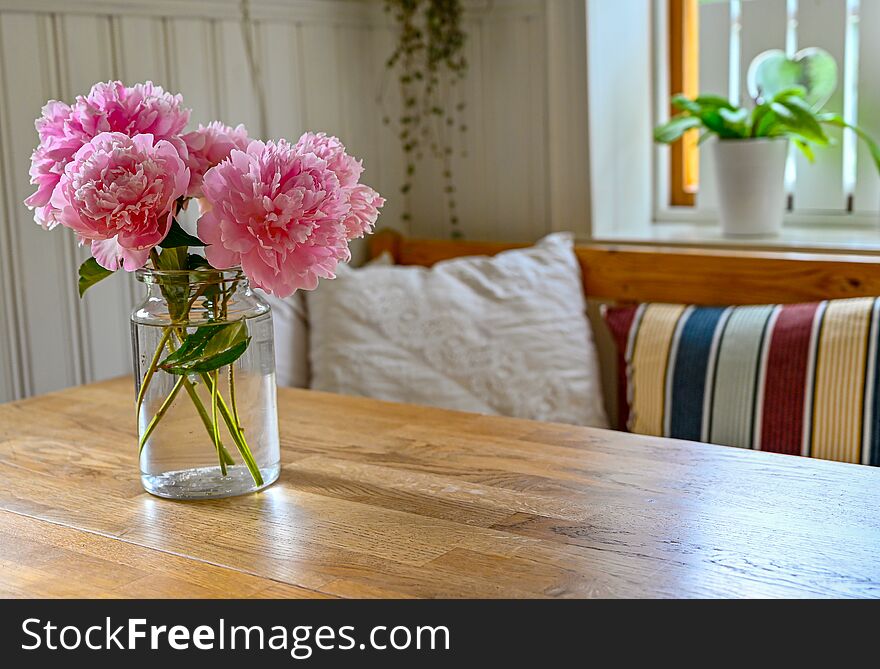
{"x": 429, "y": 57}
{"x": 752, "y": 145}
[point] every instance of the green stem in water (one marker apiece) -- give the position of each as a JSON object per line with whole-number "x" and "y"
{"x": 203, "y": 413}
{"x": 188, "y": 386}
{"x": 215, "y": 393}
{"x": 142, "y": 391}
{"x": 159, "y": 414}
{"x": 212, "y": 427}
{"x": 206, "y": 419}
{"x": 234, "y": 430}
{"x": 237, "y": 436}
{"x": 232, "y": 397}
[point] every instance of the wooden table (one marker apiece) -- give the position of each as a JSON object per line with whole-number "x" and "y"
{"x": 389, "y": 500}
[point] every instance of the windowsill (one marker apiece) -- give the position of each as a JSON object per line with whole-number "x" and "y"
{"x": 809, "y": 237}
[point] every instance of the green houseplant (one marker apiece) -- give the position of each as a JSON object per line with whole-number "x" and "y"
{"x": 430, "y": 62}
{"x": 752, "y": 143}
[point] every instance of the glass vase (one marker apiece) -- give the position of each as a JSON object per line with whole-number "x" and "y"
{"x": 204, "y": 365}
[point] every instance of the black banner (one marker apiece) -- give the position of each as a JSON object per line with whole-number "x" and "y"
{"x": 401, "y": 633}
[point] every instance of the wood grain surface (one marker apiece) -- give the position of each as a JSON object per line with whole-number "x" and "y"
{"x": 631, "y": 273}
{"x": 389, "y": 500}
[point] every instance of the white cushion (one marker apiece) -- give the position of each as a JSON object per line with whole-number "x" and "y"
{"x": 291, "y": 339}
{"x": 506, "y": 335}
{"x": 291, "y": 328}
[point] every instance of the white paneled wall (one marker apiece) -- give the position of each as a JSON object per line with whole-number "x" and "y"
{"x": 323, "y": 64}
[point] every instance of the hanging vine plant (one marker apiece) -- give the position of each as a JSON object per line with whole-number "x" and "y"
{"x": 430, "y": 65}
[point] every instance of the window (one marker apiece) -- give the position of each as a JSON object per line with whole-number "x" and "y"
{"x": 707, "y": 46}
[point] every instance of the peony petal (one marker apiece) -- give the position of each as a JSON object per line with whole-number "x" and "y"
{"x": 109, "y": 253}
{"x": 220, "y": 257}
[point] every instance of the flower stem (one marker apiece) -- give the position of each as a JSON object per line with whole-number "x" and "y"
{"x": 231, "y": 423}
{"x": 206, "y": 418}
{"x": 237, "y": 435}
{"x": 142, "y": 391}
{"x": 215, "y": 393}
{"x": 187, "y": 385}
{"x": 211, "y": 425}
{"x": 203, "y": 412}
{"x": 232, "y": 397}
{"x": 159, "y": 414}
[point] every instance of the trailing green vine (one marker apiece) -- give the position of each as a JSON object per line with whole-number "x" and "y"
{"x": 429, "y": 58}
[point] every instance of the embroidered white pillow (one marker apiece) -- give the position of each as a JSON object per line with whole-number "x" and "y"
{"x": 506, "y": 335}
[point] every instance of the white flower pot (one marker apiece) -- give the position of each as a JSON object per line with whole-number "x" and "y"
{"x": 751, "y": 185}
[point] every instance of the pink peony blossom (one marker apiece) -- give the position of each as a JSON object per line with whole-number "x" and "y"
{"x": 347, "y": 169}
{"x": 118, "y": 192}
{"x": 363, "y": 200}
{"x": 109, "y": 107}
{"x": 208, "y": 146}
{"x": 49, "y": 158}
{"x": 132, "y": 110}
{"x": 365, "y": 204}
{"x": 285, "y": 212}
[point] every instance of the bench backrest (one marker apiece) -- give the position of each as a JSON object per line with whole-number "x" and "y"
{"x": 669, "y": 274}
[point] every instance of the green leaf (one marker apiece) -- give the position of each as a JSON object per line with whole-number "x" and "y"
{"x": 90, "y": 272}
{"x": 192, "y": 345}
{"x": 228, "y": 336}
{"x": 173, "y": 258}
{"x": 225, "y": 357}
{"x": 793, "y": 92}
{"x": 805, "y": 149}
{"x": 795, "y": 117}
{"x": 733, "y": 115}
{"x": 762, "y": 119}
{"x": 714, "y": 121}
{"x": 684, "y": 103}
{"x": 194, "y": 262}
{"x": 675, "y": 128}
{"x": 782, "y": 111}
{"x": 717, "y": 101}
{"x": 735, "y": 120}
{"x": 208, "y": 348}
{"x": 177, "y": 236}
{"x": 837, "y": 121}
{"x": 766, "y": 123}
{"x": 803, "y": 120}
{"x": 714, "y": 112}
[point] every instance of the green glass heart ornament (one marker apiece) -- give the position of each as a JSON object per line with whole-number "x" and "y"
{"x": 813, "y": 69}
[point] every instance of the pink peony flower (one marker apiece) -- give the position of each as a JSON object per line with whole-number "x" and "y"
{"x": 109, "y": 107}
{"x": 47, "y": 162}
{"x": 134, "y": 110}
{"x": 363, "y": 200}
{"x": 347, "y": 169}
{"x": 285, "y": 213}
{"x": 118, "y": 192}
{"x": 208, "y": 146}
{"x": 365, "y": 204}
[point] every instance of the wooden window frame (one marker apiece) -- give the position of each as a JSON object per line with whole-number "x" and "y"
{"x": 684, "y": 75}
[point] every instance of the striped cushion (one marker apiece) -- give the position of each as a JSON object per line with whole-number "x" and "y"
{"x": 795, "y": 378}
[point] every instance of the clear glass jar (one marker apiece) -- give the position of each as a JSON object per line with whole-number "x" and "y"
{"x": 204, "y": 365}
